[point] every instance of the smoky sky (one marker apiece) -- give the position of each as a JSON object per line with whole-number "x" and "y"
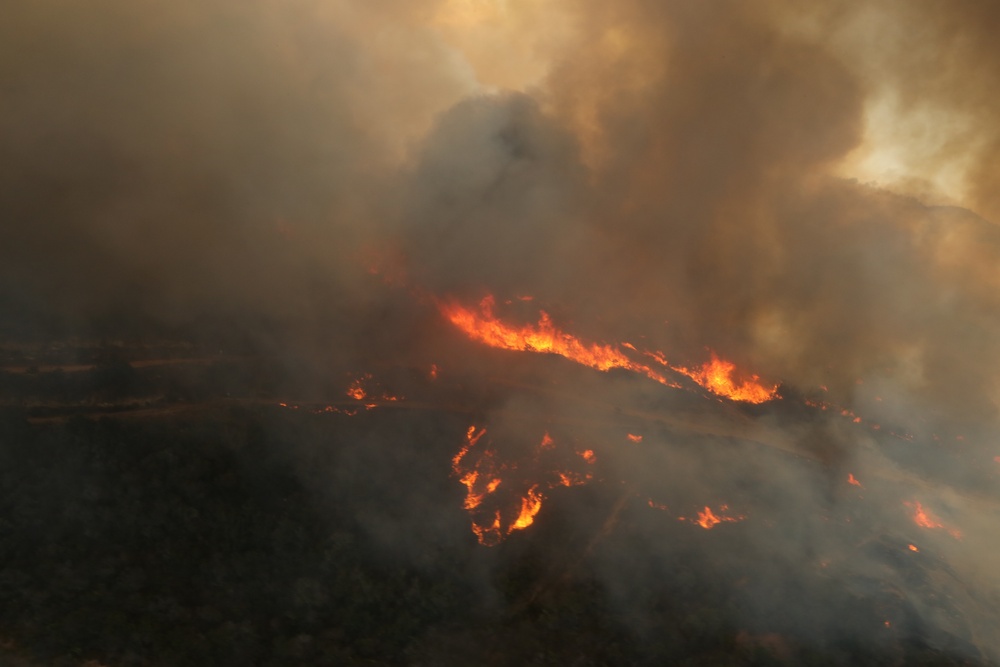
{"x": 678, "y": 171}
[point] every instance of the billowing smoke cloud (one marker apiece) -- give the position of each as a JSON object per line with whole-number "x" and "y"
{"x": 675, "y": 171}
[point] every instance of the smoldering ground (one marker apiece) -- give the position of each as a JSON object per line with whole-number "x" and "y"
{"x": 674, "y": 175}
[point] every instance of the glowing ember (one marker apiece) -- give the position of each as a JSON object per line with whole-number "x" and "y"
{"x": 433, "y": 374}
{"x": 925, "y": 519}
{"x": 913, "y": 547}
{"x": 588, "y": 456}
{"x": 326, "y": 409}
{"x": 852, "y": 480}
{"x": 634, "y": 438}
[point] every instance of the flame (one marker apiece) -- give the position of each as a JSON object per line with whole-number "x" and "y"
{"x": 489, "y": 534}
{"x": 356, "y": 390}
{"x": 922, "y": 518}
{"x": 478, "y": 470}
{"x": 471, "y": 438}
{"x": 913, "y": 547}
{"x": 530, "y": 505}
{"x": 852, "y": 480}
{"x": 634, "y": 438}
{"x": 543, "y": 337}
{"x": 588, "y": 456}
{"x": 708, "y": 519}
{"x": 717, "y": 377}
{"x": 925, "y": 519}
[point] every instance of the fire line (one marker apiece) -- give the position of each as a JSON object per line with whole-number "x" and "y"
{"x": 716, "y": 375}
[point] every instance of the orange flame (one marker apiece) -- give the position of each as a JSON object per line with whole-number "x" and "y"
{"x": 356, "y": 390}
{"x": 925, "y": 519}
{"x": 490, "y": 534}
{"x": 913, "y": 547}
{"x": 708, "y": 519}
{"x": 482, "y": 475}
{"x": 922, "y": 518}
{"x": 543, "y": 337}
{"x": 717, "y": 376}
{"x": 852, "y": 480}
{"x": 530, "y": 505}
{"x": 634, "y": 438}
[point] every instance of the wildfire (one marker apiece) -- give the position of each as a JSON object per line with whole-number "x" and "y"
{"x": 530, "y": 505}
{"x": 925, "y": 519}
{"x": 708, "y": 519}
{"x": 634, "y": 438}
{"x": 479, "y": 471}
{"x": 853, "y": 481}
{"x": 716, "y": 375}
{"x": 543, "y": 337}
{"x": 358, "y": 392}
{"x": 326, "y": 409}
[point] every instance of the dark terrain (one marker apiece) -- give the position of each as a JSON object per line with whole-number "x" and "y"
{"x": 158, "y": 506}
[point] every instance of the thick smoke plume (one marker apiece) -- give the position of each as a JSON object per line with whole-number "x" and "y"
{"x": 808, "y": 192}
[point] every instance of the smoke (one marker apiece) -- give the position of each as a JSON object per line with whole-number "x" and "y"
{"x": 701, "y": 175}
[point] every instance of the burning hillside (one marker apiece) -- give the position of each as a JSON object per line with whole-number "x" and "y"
{"x": 499, "y": 332}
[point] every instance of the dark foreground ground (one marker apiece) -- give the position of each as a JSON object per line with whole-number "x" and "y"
{"x": 176, "y": 514}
